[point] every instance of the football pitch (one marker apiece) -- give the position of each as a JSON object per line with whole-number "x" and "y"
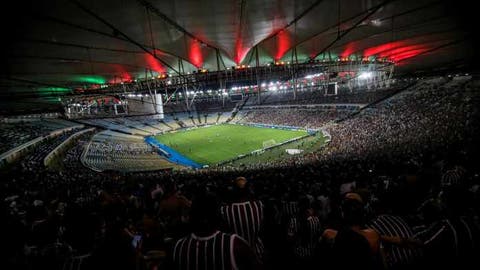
{"x": 211, "y": 145}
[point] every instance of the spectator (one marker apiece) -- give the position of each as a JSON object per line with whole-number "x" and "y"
{"x": 448, "y": 238}
{"x": 353, "y": 245}
{"x": 207, "y": 247}
{"x": 244, "y": 216}
{"x": 304, "y": 232}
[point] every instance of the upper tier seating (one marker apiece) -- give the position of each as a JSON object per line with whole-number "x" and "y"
{"x": 17, "y": 133}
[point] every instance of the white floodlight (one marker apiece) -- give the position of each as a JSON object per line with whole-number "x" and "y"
{"x": 365, "y": 75}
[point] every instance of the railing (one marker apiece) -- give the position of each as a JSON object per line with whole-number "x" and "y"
{"x": 16, "y": 152}
{"x": 54, "y": 152}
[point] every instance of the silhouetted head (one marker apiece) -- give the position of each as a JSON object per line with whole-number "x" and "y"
{"x": 352, "y": 210}
{"x": 204, "y": 213}
{"x": 240, "y": 189}
{"x": 431, "y": 210}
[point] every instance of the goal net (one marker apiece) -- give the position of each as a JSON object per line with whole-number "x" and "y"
{"x": 269, "y": 143}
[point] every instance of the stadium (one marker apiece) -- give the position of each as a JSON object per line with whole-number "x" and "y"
{"x": 212, "y": 134}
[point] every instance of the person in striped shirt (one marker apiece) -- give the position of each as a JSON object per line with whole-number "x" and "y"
{"x": 352, "y": 245}
{"x": 394, "y": 231}
{"x": 449, "y": 239}
{"x": 244, "y": 216}
{"x": 304, "y": 231}
{"x": 207, "y": 247}
{"x": 289, "y": 204}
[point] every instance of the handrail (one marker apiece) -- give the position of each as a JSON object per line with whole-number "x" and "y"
{"x": 11, "y": 154}
{"x": 52, "y": 153}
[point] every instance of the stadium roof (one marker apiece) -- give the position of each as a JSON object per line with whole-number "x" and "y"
{"x": 58, "y": 45}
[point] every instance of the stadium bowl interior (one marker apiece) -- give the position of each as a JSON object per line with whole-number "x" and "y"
{"x": 214, "y": 134}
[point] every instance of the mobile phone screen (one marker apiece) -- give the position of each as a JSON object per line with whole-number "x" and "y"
{"x": 136, "y": 240}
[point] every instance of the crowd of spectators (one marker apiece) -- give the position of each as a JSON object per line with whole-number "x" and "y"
{"x": 214, "y": 105}
{"x": 306, "y": 118}
{"x": 316, "y": 95}
{"x": 396, "y": 188}
{"x": 20, "y": 132}
{"x": 425, "y": 117}
{"x": 36, "y": 157}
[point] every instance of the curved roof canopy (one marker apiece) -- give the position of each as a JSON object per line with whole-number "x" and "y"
{"x": 64, "y": 44}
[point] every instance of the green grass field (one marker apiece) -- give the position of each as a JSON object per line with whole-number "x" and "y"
{"x": 308, "y": 144}
{"x": 211, "y": 145}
